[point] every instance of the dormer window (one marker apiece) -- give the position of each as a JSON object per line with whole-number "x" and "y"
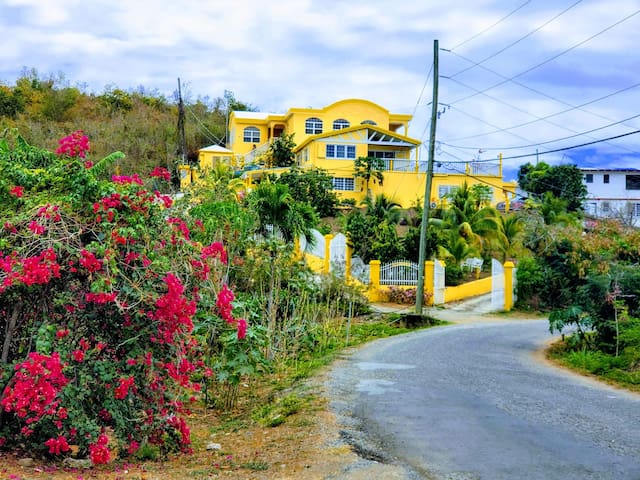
{"x": 313, "y": 126}
{"x": 340, "y": 123}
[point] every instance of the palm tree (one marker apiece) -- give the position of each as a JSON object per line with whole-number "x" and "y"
{"x": 278, "y": 210}
{"x": 382, "y": 208}
{"x": 509, "y": 231}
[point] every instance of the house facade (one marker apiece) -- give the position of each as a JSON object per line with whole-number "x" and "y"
{"x": 333, "y": 137}
{"x": 613, "y": 193}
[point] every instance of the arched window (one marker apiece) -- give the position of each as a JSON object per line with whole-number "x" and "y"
{"x": 313, "y": 126}
{"x": 251, "y": 135}
{"x": 340, "y": 123}
{"x": 368, "y": 122}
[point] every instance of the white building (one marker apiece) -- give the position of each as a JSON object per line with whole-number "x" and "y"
{"x": 613, "y": 193}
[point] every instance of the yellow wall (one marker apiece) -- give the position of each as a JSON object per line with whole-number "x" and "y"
{"x": 466, "y": 290}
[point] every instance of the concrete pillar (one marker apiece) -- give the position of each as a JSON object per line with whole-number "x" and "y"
{"x": 326, "y": 268}
{"x": 429, "y": 279}
{"x": 374, "y": 280}
{"x": 508, "y": 286}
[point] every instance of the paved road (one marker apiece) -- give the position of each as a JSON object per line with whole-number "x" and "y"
{"x": 471, "y": 402}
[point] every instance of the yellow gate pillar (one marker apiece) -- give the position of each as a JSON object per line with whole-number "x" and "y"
{"x": 508, "y": 286}
{"x": 429, "y": 280}
{"x": 327, "y": 254}
{"x": 374, "y": 280}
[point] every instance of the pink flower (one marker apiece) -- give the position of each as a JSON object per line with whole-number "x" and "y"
{"x": 75, "y": 145}
{"x": 122, "y": 389}
{"x": 242, "y": 328}
{"x": 99, "y": 452}
{"x": 78, "y": 355}
{"x": 36, "y": 228}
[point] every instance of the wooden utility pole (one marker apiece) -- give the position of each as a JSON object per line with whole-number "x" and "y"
{"x": 427, "y": 187}
{"x": 182, "y": 139}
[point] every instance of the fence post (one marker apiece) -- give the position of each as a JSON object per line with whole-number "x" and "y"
{"x": 508, "y": 286}
{"x": 374, "y": 280}
{"x": 327, "y": 254}
{"x": 297, "y": 253}
{"x": 429, "y": 280}
{"x": 347, "y": 261}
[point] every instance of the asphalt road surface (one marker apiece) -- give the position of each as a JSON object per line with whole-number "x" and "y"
{"x": 473, "y": 402}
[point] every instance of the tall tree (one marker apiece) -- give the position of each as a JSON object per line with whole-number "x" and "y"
{"x": 562, "y": 181}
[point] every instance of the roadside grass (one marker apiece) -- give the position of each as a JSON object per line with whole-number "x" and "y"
{"x": 621, "y": 371}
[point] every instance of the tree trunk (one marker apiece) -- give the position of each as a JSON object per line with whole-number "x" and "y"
{"x": 10, "y": 328}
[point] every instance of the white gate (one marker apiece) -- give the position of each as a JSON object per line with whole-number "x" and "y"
{"x": 338, "y": 254}
{"x": 360, "y": 270}
{"x": 438, "y": 282}
{"x": 400, "y": 272}
{"x": 497, "y": 285}
{"x": 317, "y": 249}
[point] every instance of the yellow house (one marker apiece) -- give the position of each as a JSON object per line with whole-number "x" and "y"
{"x": 333, "y": 137}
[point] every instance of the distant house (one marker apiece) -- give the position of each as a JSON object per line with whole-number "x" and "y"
{"x": 613, "y": 193}
{"x": 333, "y": 137}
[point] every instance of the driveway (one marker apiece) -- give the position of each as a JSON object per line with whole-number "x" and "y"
{"x": 472, "y": 401}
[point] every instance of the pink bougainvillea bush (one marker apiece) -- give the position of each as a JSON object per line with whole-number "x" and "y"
{"x": 100, "y": 285}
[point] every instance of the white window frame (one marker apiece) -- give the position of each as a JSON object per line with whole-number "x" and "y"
{"x": 345, "y": 184}
{"x": 313, "y": 126}
{"x": 341, "y": 123}
{"x": 340, "y": 151}
{"x": 444, "y": 190}
{"x": 249, "y": 135}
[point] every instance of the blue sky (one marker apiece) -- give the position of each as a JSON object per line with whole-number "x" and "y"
{"x": 515, "y": 76}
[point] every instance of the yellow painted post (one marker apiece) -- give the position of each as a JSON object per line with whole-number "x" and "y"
{"x": 508, "y": 285}
{"x": 347, "y": 261}
{"x": 374, "y": 280}
{"x": 429, "y": 280}
{"x": 327, "y": 253}
{"x": 297, "y": 253}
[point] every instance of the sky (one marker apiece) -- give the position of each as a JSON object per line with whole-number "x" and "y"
{"x": 515, "y": 77}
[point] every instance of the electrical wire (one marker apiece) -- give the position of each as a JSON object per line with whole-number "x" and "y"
{"x": 422, "y": 91}
{"x": 212, "y": 137}
{"x": 573, "y": 146}
{"x": 502, "y": 50}
{"x": 550, "y": 59}
{"x": 578, "y": 107}
{"x": 473, "y": 37}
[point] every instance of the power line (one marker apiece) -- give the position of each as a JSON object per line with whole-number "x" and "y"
{"x": 487, "y": 123}
{"x": 572, "y": 147}
{"x": 490, "y": 27}
{"x": 551, "y": 141}
{"x": 204, "y": 128}
{"x": 495, "y": 54}
{"x": 551, "y": 58}
{"x": 422, "y": 91}
{"x": 578, "y": 107}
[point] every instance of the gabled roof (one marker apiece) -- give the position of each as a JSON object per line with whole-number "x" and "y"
{"x": 375, "y": 135}
{"x": 215, "y": 149}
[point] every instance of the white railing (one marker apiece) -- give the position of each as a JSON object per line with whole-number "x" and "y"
{"x": 400, "y": 272}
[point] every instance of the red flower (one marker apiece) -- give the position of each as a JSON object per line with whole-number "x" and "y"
{"x": 17, "y": 191}
{"x": 161, "y": 172}
{"x": 122, "y": 389}
{"x": 75, "y": 145}
{"x": 242, "y": 328}
{"x": 57, "y": 445}
{"x": 36, "y": 228}
{"x": 78, "y": 355}
{"x": 99, "y": 452}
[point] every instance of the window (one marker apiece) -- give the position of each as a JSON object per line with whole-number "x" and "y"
{"x": 636, "y": 209}
{"x": 605, "y": 178}
{"x": 344, "y": 183}
{"x": 382, "y": 154}
{"x": 341, "y": 151}
{"x": 340, "y": 123}
{"x": 605, "y": 207}
{"x": 313, "y": 126}
{"x": 633, "y": 182}
{"x": 368, "y": 122}
{"x": 444, "y": 190}
{"x": 251, "y": 135}
{"x": 588, "y": 178}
